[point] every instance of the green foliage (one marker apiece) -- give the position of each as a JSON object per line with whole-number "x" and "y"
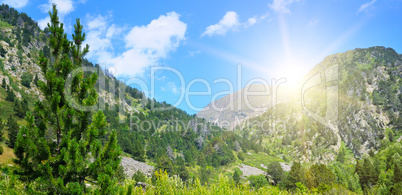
{"x": 341, "y": 155}
{"x": 295, "y": 175}
{"x": 397, "y": 174}
{"x": 139, "y": 151}
{"x": 62, "y": 164}
{"x": 3, "y": 52}
{"x": 367, "y": 174}
{"x": 36, "y": 80}
{"x": 236, "y": 177}
{"x": 139, "y": 177}
{"x": 4, "y": 83}
{"x": 1, "y": 65}
{"x": 10, "y": 95}
{"x": 300, "y": 188}
{"x": 275, "y": 171}
{"x": 26, "y": 79}
{"x": 240, "y": 155}
{"x": 20, "y": 107}
{"x": 322, "y": 187}
{"x": 322, "y": 175}
{"x": 13, "y": 129}
{"x": 204, "y": 174}
{"x": 258, "y": 181}
{"x": 181, "y": 169}
{"x": 2, "y": 125}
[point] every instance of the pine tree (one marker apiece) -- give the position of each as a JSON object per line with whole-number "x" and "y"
{"x": 36, "y": 80}
{"x": 367, "y": 174}
{"x": 391, "y": 136}
{"x": 236, "y": 177}
{"x": 13, "y": 129}
{"x": 275, "y": 171}
{"x": 139, "y": 177}
{"x": 10, "y": 95}
{"x": 397, "y": 174}
{"x": 341, "y": 155}
{"x": 2, "y": 124}
{"x": 3, "y": 83}
{"x": 65, "y": 151}
{"x": 20, "y": 107}
{"x": 181, "y": 169}
{"x": 139, "y": 151}
{"x": 295, "y": 175}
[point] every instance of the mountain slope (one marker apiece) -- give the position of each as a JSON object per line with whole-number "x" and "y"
{"x": 253, "y": 100}
{"x": 352, "y": 97}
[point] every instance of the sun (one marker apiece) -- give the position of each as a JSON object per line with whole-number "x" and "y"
{"x": 293, "y": 71}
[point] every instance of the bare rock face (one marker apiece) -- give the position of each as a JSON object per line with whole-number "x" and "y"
{"x": 286, "y": 167}
{"x": 249, "y": 170}
{"x": 131, "y": 166}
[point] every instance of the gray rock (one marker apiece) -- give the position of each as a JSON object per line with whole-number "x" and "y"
{"x": 131, "y": 166}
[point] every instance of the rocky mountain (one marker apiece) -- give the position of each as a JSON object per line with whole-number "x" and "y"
{"x": 253, "y": 100}
{"x": 352, "y": 98}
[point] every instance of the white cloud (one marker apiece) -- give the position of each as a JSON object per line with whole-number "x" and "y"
{"x": 43, "y": 22}
{"x": 144, "y": 45}
{"x": 64, "y": 7}
{"x": 282, "y": 6}
{"x": 99, "y": 45}
{"x": 113, "y": 31}
{"x": 171, "y": 87}
{"x": 366, "y": 6}
{"x": 229, "y": 22}
{"x": 159, "y": 36}
{"x": 16, "y": 3}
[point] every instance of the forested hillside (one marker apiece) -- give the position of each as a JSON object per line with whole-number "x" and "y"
{"x": 50, "y": 147}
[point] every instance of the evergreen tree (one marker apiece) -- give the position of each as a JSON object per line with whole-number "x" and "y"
{"x": 182, "y": 170}
{"x": 295, "y": 175}
{"x": 3, "y": 52}
{"x": 322, "y": 175}
{"x": 26, "y": 79}
{"x": 275, "y": 171}
{"x": 36, "y": 80}
{"x": 240, "y": 155}
{"x": 2, "y": 124}
{"x": 367, "y": 174}
{"x": 13, "y": 129}
{"x": 390, "y": 136}
{"x": 139, "y": 151}
{"x": 10, "y": 95}
{"x": 68, "y": 152}
{"x": 139, "y": 177}
{"x": 397, "y": 174}
{"x": 20, "y": 108}
{"x": 236, "y": 177}
{"x": 3, "y": 83}
{"x": 341, "y": 155}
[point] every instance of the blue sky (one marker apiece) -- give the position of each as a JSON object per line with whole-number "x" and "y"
{"x": 207, "y": 40}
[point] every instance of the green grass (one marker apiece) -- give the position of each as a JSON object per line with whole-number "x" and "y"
{"x": 256, "y": 159}
{"x": 7, "y": 156}
{"x": 4, "y": 24}
{"x": 5, "y": 106}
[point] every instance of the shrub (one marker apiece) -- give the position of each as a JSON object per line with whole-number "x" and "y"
{"x": 240, "y": 156}
{"x": 26, "y": 79}
{"x": 139, "y": 177}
